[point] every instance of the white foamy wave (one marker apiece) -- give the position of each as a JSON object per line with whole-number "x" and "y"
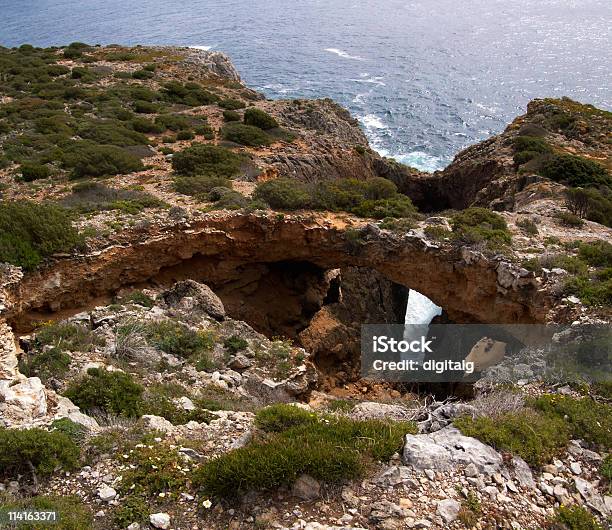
{"x": 371, "y": 80}
{"x": 370, "y": 121}
{"x": 203, "y": 48}
{"x": 343, "y": 54}
{"x": 421, "y": 160}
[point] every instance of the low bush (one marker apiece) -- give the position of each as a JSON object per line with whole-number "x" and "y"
{"x": 158, "y": 403}
{"x": 139, "y": 298}
{"x": 475, "y": 225}
{"x": 67, "y": 337}
{"x": 605, "y": 470}
{"x": 230, "y": 115}
{"x": 243, "y": 134}
{"x": 284, "y": 194}
{"x": 573, "y": 518}
{"x": 575, "y": 171}
{"x": 528, "y": 226}
{"x": 190, "y": 94}
{"x": 142, "y": 125}
{"x": 132, "y": 509}
{"x": 176, "y": 339}
{"x": 200, "y": 185}
{"x": 259, "y": 118}
{"x": 232, "y": 104}
{"x": 174, "y": 122}
{"x": 587, "y": 419}
{"x": 52, "y": 362}
{"x": 185, "y": 135}
{"x": 75, "y": 431}
{"x": 30, "y": 232}
{"x": 527, "y": 148}
{"x": 569, "y": 219}
{"x": 234, "y": 344}
{"x": 31, "y": 171}
{"x": 227, "y": 199}
{"x": 35, "y": 451}
{"x": 112, "y": 392}
{"x": 146, "y": 107}
{"x": 596, "y": 253}
{"x": 533, "y": 436}
{"x": 95, "y": 196}
{"x": 208, "y": 160}
{"x": 72, "y": 513}
{"x": 143, "y": 74}
{"x": 91, "y": 160}
{"x": 329, "y": 449}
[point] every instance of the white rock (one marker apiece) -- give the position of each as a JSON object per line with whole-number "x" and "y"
{"x": 576, "y": 468}
{"x": 160, "y": 520}
{"x": 156, "y": 423}
{"x": 133, "y": 526}
{"x": 448, "y": 510}
{"x": 186, "y": 403}
{"x": 471, "y": 470}
{"x": 106, "y": 493}
{"x": 22, "y": 402}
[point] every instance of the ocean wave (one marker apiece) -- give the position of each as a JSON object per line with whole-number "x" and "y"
{"x": 343, "y": 54}
{"x": 371, "y": 121}
{"x": 371, "y": 80}
{"x": 421, "y": 160}
{"x": 203, "y": 48}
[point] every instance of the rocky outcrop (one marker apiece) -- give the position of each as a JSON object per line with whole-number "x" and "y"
{"x": 465, "y": 283}
{"x": 217, "y": 63}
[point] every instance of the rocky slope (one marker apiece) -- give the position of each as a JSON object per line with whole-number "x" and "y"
{"x": 164, "y": 336}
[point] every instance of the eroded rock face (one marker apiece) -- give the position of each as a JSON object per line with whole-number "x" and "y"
{"x": 466, "y": 284}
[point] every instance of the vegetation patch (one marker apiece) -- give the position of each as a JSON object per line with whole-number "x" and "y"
{"x": 112, "y": 392}
{"x": 248, "y": 135}
{"x": 259, "y": 118}
{"x": 88, "y": 159}
{"x": 575, "y": 171}
{"x": 296, "y": 442}
{"x": 573, "y": 518}
{"x": 35, "y": 452}
{"x": 73, "y": 514}
{"x": 207, "y": 160}
{"x": 95, "y": 197}
{"x": 176, "y": 339}
{"x": 50, "y": 363}
{"x": 67, "y": 336}
{"x": 534, "y": 436}
{"x": 30, "y": 232}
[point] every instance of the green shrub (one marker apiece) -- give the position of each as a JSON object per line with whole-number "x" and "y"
{"x": 142, "y": 74}
{"x": 207, "y": 160}
{"x": 185, "y": 135}
{"x": 569, "y": 219}
{"x": 573, "y": 518}
{"x": 475, "y": 225}
{"x": 248, "y": 135}
{"x": 575, "y": 171}
{"x": 75, "y": 431}
{"x": 206, "y": 131}
{"x": 174, "y": 122}
{"x": 31, "y": 171}
{"x": 234, "y": 344}
{"x": 259, "y": 118}
{"x": 228, "y": 199}
{"x": 232, "y": 104}
{"x": 190, "y": 94}
{"x": 230, "y": 115}
{"x": 67, "y": 337}
{"x": 594, "y": 204}
{"x": 73, "y": 514}
{"x": 177, "y": 339}
{"x": 529, "y": 147}
{"x": 329, "y": 449}
{"x": 596, "y": 253}
{"x": 95, "y": 196}
{"x": 533, "y": 436}
{"x": 284, "y": 194}
{"x": 30, "y": 232}
{"x": 158, "y": 403}
{"x": 35, "y": 450}
{"x": 587, "y": 419}
{"x": 528, "y": 226}
{"x": 143, "y": 125}
{"x": 592, "y": 290}
{"x": 605, "y": 470}
{"x": 91, "y": 160}
{"x": 145, "y": 107}
{"x": 111, "y": 132}
{"x": 113, "y": 392}
{"x": 133, "y": 509}
{"x": 199, "y": 185}
{"x": 52, "y": 362}
{"x": 139, "y": 298}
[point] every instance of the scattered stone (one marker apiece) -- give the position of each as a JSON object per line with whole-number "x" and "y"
{"x": 106, "y": 493}
{"x": 448, "y": 510}
{"x": 306, "y": 488}
{"x": 160, "y": 520}
{"x": 471, "y": 470}
{"x": 576, "y": 468}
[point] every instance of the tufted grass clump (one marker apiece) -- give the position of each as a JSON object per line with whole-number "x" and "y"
{"x": 35, "y": 451}
{"x": 573, "y": 518}
{"x": 297, "y": 442}
{"x": 111, "y": 392}
{"x": 73, "y": 514}
{"x": 534, "y": 436}
{"x": 30, "y": 232}
{"x": 586, "y": 418}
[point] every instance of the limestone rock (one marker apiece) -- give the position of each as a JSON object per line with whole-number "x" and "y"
{"x": 448, "y": 448}
{"x": 8, "y": 353}
{"x": 156, "y": 423}
{"x": 306, "y": 488}
{"x": 448, "y": 510}
{"x": 22, "y": 402}
{"x": 201, "y": 298}
{"x": 160, "y": 520}
{"x": 106, "y": 493}
{"x": 370, "y": 410}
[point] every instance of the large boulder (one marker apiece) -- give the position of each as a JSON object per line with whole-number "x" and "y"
{"x": 447, "y": 449}
{"x": 190, "y": 295}
{"x": 24, "y": 401}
